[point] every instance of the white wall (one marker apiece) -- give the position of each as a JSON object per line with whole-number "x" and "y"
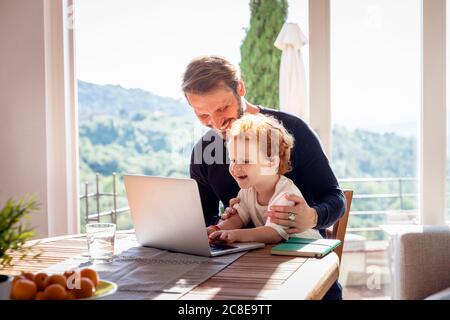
{"x": 38, "y": 115}
{"x": 22, "y": 104}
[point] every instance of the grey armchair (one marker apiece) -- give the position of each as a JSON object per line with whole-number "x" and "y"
{"x": 420, "y": 263}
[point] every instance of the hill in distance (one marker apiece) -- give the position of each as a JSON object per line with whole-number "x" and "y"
{"x": 115, "y": 100}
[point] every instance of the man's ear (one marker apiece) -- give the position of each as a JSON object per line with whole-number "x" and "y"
{"x": 241, "y": 88}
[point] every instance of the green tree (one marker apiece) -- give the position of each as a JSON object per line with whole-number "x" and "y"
{"x": 260, "y": 60}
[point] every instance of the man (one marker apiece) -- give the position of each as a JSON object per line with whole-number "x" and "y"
{"x": 214, "y": 90}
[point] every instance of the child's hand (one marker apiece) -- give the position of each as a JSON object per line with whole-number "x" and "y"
{"x": 229, "y": 236}
{"x": 210, "y": 229}
{"x": 230, "y": 211}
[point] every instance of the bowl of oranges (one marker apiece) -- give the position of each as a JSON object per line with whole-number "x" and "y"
{"x": 72, "y": 285}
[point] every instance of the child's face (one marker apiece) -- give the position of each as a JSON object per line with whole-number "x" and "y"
{"x": 248, "y": 166}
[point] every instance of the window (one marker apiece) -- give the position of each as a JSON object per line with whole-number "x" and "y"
{"x": 375, "y": 102}
{"x": 133, "y": 117}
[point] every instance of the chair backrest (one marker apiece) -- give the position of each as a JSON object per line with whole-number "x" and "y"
{"x": 337, "y": 231}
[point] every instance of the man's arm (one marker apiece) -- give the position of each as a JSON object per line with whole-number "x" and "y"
{"x": 330, "y": 209}
{"x": 329, "y": 200}
{"x": 210, "y": 202}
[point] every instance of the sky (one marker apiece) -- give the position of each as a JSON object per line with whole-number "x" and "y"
{"x": 147, "y": 44}
{"x": 375, "y": 58}
{"x": 375, "y": 50}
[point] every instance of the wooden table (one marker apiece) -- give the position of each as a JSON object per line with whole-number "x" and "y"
{"x": 255, "y": 275}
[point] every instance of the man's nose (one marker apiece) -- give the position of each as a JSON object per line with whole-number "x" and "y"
{"x": 217, "y": 122}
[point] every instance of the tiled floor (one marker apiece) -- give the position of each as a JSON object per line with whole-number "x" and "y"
{"x": 367, "y": 273}
{"x": 363, "y": 293}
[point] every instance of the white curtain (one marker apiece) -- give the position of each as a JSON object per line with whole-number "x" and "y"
{"x": 293, "y": 89}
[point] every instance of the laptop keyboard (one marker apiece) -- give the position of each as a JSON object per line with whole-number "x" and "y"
{"x": 215, "y": 247}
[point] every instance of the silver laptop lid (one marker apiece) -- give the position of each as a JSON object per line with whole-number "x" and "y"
{"x": 167, "y": 213}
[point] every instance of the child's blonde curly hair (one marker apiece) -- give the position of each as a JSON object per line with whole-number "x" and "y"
{"x": 269, "y": 133}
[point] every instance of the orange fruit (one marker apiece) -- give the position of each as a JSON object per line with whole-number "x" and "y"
{"x": 40, "y": 296}
{"x": 29, "y": 275}
{"x": 86, "y": 290}
{"x": 56, "y": 279}
{"x": 70, "y": 295}
{"x": 55, "y": 292}
{"x": 16, "y": 278}
{"x": 91, "y": 274}
{"x": 24, "y": 289}
{"x": 39, "y": 279}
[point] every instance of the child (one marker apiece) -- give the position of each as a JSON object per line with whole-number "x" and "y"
{"x": 259, "y": 148}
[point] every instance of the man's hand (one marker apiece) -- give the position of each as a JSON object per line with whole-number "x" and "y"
{"x": 229, "y": 236}
{"x": 230, "y": 211}
{"x": 305, "y": 216}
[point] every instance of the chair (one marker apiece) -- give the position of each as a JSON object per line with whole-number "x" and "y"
{"x": 337, "y": 231}
{"x": 420, "y": 260}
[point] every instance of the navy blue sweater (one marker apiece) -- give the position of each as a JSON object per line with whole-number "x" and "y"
{"x": 311, "y": 172}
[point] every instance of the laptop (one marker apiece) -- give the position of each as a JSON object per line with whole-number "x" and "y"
{"x": 167, "y": 214}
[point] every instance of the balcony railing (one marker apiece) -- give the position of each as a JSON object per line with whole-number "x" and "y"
{"x": 400, "y": 194}
{"x": 97, "y": 196}
{"x": 391, "y": 213}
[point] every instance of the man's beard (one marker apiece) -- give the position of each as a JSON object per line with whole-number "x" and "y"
{"x": 241, "y": 109}
{"x": 240, "y": 113}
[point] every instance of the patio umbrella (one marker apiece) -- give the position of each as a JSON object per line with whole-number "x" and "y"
{"x": 293, "y": 93}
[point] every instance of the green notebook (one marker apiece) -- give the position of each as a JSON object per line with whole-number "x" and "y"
{"x": 301, "y": 247}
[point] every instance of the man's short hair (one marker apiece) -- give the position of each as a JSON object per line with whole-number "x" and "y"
{"x": 208, "y": 73}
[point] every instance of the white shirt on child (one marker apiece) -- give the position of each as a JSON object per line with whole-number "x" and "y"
{"x": 249, "y": 209}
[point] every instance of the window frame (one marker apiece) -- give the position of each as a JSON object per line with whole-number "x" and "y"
{"x": 432, "y": 133}
{"x": 432, "y": 142}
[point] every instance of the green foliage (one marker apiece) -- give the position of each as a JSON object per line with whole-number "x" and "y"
{"x": 364, "y": 154}
{"x": 139, "y": 116}
{"x": 151, "y": 146}
{"x": 94, "y": 100}
{"x": 103, "y": 132}
{"x": 260, "y": 60}
{"x": 151, "y": 141}
{"x": 154, "y": 141}
{"x": 14, "y": 234}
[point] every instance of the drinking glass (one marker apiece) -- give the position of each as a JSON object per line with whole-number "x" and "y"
{"x": 100, "y": 238}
